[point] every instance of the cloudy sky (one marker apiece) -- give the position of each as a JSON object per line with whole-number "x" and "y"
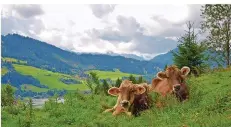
{"x": 143, "y": 30}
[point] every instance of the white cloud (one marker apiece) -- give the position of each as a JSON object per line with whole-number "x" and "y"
{"x": 101, "y": 10}
{"x": 28, "y": 10}
{"x": 22, "y": 19}
{"x": 144, "y": 30}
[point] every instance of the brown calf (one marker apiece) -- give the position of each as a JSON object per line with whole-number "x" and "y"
{"x": 132, "y": 98}
{"x": 172, "y": 82}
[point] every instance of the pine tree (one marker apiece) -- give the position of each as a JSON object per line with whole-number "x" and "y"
{"x": 165, "y": 67}
{"x": 7, "y": 98}
{"x": 191, "y": 53}
{"x": 105, "y": 86}
{"x": 132, "y": 78}
{"x": 89, "y": 84}
{"x": 98, "y": 89}
{"x": 140, "y": 80}
{"x": 29, "y": 115}
{"x": 95, "y": 79}
{"x": 30, "y": 107}
{"x": 217, "y": 24}
{"x": 118, "y": 82}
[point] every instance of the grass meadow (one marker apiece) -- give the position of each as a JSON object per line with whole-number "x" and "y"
{"x": 113, "y": 75}
{"x": 209, "y": 106}
{"x": 48, "y": 78}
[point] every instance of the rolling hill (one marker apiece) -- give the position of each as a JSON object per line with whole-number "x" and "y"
{"x": 29, "y": 80}
{"x": 42, "y": 55}
{"x": 34, "y": 66}
{"x": 50, "y": 79}
{"x": 164, "y": 59}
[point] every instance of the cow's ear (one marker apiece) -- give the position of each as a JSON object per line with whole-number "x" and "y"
{"x": 185, "y": 71}
{"x": 139, "y": 89}
{"x": 161, "y": 75}
{"x": 114, "y": 91}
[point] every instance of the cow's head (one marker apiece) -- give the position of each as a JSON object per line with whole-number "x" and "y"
{"x": 126, "y": 93}
{"x": 174, "y": 76}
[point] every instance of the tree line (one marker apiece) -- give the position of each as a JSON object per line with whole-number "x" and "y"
{"x": 97, "y": 87}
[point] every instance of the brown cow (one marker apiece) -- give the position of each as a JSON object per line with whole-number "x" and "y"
{"x": 132, "y": 98}
{"x": 172, "y": 82}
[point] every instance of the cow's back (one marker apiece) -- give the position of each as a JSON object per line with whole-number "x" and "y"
{"x": 161, "y": 86}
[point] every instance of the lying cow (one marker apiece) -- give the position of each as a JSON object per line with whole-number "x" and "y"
{"x": 172, "y": 81}
{"x": 132, "y": 98}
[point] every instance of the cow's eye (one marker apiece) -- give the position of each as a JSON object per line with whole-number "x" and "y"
{"x": 133, "y": 91}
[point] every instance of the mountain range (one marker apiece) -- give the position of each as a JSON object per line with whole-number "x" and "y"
{"x": 43, "y": 55}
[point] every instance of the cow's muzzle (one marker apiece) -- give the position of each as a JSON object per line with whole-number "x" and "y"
{"x": 124, "y": 103}
{"x": 176, "y": 87}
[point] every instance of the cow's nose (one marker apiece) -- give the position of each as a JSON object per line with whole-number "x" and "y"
{"x": 124, "y": 103}
{"x": 176, "y": 87}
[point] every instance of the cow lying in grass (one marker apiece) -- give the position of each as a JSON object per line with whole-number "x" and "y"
{"x": 172, "y": 82}
{"x": 132, "y": 98}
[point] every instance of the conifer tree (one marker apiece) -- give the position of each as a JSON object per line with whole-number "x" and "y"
{"x": 118, "y": 82}
{"x": 191, "y": 53}
{"x": 165, "y": 67}
{"x": 141, "y": 80}
{"x": 105, "y": 87}
{"x": 132, "y": 78}
{"x": 7, "y": 98}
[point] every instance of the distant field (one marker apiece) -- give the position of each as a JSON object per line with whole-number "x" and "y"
{"x": 3, "y": 71}
{"x": 113, "y": 75}
{"x": 27, "y": 87}
{"x": 7, "y": 59}
{"x": 48, "y": 78}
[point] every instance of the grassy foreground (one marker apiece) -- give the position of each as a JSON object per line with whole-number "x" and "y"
{"x": 209, "y": 106}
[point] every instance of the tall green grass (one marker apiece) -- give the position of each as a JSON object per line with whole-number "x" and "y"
{"x": 209, "y": 106}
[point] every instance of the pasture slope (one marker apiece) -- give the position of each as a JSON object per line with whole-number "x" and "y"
{"x": 28, "y": 87}
{"x": 113, "y": 75}
{"x": 52, "y": 79}
{"x": 209, "y": 106}
{"x": 48, "y": 78}
{"x": 3, "y": 71}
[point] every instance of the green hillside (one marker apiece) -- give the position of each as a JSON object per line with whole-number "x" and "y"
{"x": 113, "y": 75}
{"x": 3, "y": 71}
{"x": 48, "y": 78}
{"x": 208, "y": 106}
{"x": 13, "y": 60}
{"x": 28, "y": 87}
{"x": 52, "y": 79}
